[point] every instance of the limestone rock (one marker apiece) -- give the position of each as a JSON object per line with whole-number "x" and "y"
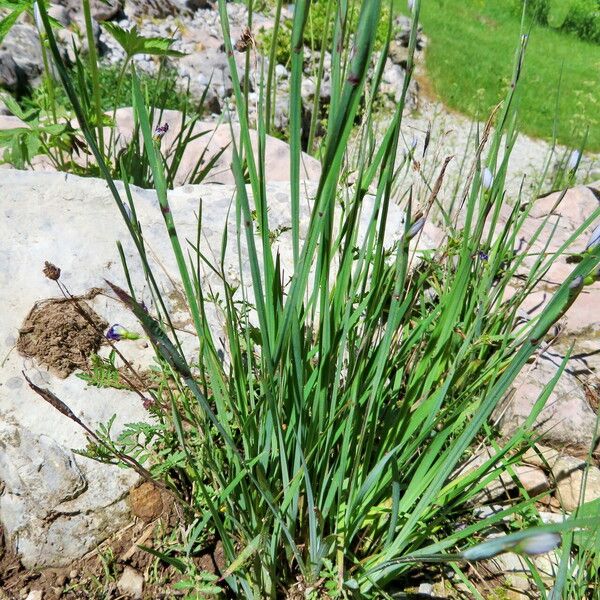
{"x": 517, "y": 572}
{"x": 566, "y": 421}
{"x": 569, "y": 474}
{"x": 11, "y": 77}
{"x": 22, "y": 43}
{"x": 583, "y": 318}
{"x": 541, "y": 456}
{"x": 156, "y": 9}
{"x": 101, "y": 10}
{"x": 532, "y": 478}
{"x": 212, "y": 142}
{"x": 73, "y": 223}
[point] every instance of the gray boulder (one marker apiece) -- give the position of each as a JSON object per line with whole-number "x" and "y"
{"x": 22, "y": 54}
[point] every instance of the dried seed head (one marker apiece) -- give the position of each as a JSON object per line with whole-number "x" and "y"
{"x": 51, "y": 271}
{"x": 246, "y": 41}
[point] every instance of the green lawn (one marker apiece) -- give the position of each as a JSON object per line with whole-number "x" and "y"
{"x": 470, "y": 58}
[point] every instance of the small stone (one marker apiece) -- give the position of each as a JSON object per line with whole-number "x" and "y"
{"x": 35, "y": 595}
{"x": 426, "y": 589}
{"x": 131, "y": 583}
{"x": 552, "y": 517}
{"x": 281, "y": 71}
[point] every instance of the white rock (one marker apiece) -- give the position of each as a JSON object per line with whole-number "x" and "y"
{"x": 211, "y": 140}
{"x": 567, "y": 420}
{"x": 58, "y": 506}
{"x": 35, "y": 595}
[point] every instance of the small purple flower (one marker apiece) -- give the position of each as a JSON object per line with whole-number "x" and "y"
{"x": 148, "y": 403}
{"x": 481, "y": 255}
{"x": 576, "y": 283}
{"x": 118, "y": 332}
{"x": 160, "y": 131}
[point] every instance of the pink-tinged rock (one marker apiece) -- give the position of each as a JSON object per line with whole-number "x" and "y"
{"x": 530, "y": 477}
{"x": 574, "y": 208}
{"x": 583, "y": 318}
{"x": 569, "y": 473}
{"x": 211, "y": 140}
{"x": 567, "y": 420}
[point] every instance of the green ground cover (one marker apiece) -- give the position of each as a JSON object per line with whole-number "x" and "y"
{"x": 469, "y": 58}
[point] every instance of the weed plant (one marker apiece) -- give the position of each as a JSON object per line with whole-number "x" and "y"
{"x": 49, "y": 133}
{"x": 324, "y": 451}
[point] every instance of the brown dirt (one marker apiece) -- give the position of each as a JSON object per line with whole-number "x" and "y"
{"x": 58, "y": 335}
{"x": 95, "y": 576}
{"x": 146, "y": 502}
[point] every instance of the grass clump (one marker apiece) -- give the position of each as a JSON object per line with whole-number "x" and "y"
{"x": 583, "y": 19}
{"x": 323, "y": 449}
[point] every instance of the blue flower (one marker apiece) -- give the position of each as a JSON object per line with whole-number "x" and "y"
{"x": 160, "y": 131}
{"x": 522, "y": 543}
{"x": 118, "y": 332}
{"x": 540, "y": 543}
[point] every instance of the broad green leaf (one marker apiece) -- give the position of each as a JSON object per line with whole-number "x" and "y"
{"x": 134, "y": 43}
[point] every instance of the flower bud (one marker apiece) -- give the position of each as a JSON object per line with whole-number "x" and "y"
{"x": 574, "y": 160}
{"x": 37, "y": 17}
{"x": 539, "y": 543}
{"x": 160, "y": 131}
{"x": 487, "y": 179}
{"x": 415, "y": 228}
